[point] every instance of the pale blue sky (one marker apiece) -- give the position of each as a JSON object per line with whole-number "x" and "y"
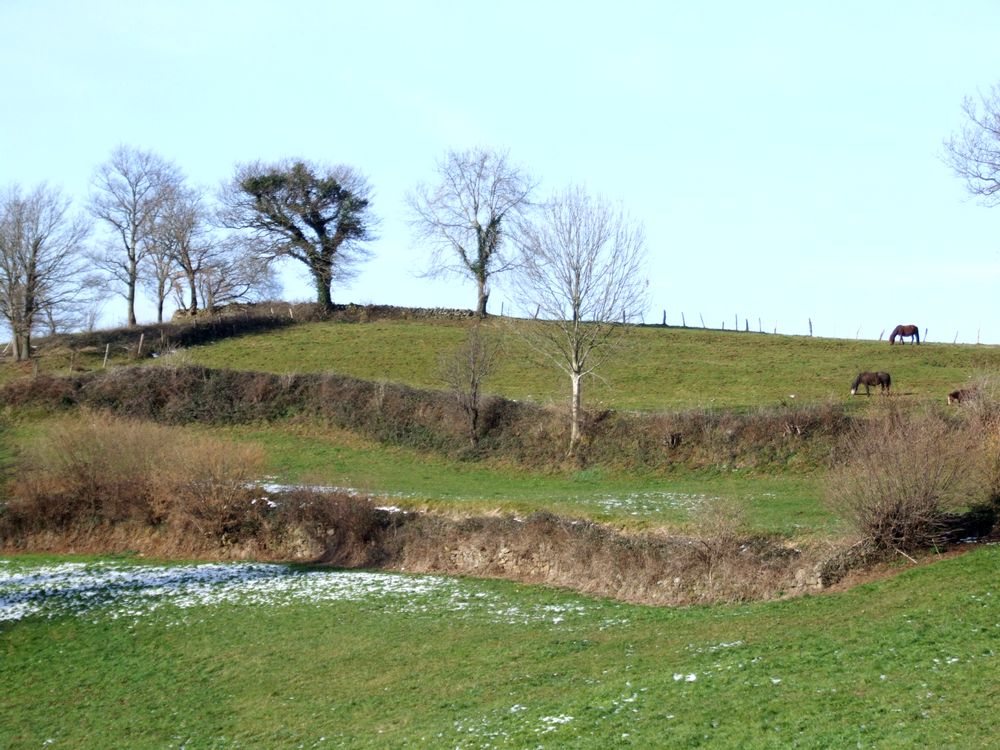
{"x": 785, "y": 157}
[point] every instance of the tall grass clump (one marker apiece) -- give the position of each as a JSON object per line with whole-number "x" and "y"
{"x": 906, "y": 475}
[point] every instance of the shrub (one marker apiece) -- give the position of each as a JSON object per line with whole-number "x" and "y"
{"x": 902, "y": 475}
{"x": 96, "y": 469}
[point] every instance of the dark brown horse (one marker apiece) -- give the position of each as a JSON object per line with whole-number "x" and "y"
{"x": 911, "y": 332}
{"x": 868, "y": 379}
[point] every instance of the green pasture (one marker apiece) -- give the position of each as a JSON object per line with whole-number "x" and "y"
{"x": 790, "y": 505}
{"x": 655, "y": 368}
{"x": 909, "y": 661}
{"x": 314, "y": 455}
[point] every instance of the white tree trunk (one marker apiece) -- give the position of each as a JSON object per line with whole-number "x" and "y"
{"x": 575, "y": 412}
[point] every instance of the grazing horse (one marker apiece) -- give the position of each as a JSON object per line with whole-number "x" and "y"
{"x": 911, "y": 332}
{"x": 868, "y": 379}
{"x": 962, "y": 394}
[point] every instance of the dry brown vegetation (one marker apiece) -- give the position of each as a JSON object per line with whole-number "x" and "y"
{"x": 912, "y": 480}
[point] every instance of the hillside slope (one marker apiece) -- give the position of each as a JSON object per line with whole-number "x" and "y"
{"x": 655, "y": 368}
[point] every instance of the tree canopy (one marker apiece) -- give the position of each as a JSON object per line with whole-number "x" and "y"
{"x": 974, "y": 152}
{"x": 318, "y": 215}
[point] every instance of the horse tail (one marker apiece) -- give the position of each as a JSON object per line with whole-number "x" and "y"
{"x": 916, "y": 333}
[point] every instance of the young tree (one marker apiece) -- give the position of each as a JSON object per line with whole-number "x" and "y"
{"x": 464, "y": 370}
{"x": 464, "y": 215}
{"x": 158, "y": 272}
{"x": 974, "y": 153}
{"x": 315, "y": 214}
{"x": 129, "y": 192}
{"x": 581, "y": 268}
{"x": 42, "y": 265}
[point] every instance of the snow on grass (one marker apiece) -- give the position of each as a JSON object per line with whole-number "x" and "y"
{"x": 115, "y": 589}
{"x": 649, "y": 503}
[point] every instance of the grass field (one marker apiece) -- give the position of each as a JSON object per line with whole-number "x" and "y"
{"x": 657, "y": 368}
{"x": 116, "y": 654}
{"x": 786, "y": 504}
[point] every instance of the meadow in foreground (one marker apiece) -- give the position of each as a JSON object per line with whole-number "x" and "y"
{"x": 118, "y": 653}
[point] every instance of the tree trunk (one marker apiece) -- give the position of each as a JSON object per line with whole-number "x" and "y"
{"x": 483, "y": 298}
{"x": 323, "y": 298}
{"x": 192, "y": 282}
{"x": 22, "y": 346}
{"x": 575, "y": 412}
{"x": 131, "y": 302}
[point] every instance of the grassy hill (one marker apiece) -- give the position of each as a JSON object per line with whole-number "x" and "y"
{"x": 656, "y": 368}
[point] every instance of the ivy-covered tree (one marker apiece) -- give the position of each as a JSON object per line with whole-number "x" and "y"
{"x": 316, "y": 214}
{"x": 465, "y": 214}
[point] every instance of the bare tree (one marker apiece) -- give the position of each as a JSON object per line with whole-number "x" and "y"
{"x": 158, "y": 273}
{"x": 465, "y": 213}
{"x": 42, "y": 264}
{"x": 974, "y": 152}
{"x": 182, "y": 248}
{"x": 231, "y": 275}
{"x": 129, "y": 192}
{"x": 582, "y": 270}
{"x": 316, "y": 214}
{"x": 465, "y": 369}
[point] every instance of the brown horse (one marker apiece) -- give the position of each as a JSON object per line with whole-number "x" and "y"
{"x": 868, "y": 379}
{"x": 911, "y": 332}
{"x": 962, "y": 394}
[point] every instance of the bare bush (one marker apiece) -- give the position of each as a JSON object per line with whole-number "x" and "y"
{"x": 720, "y": 525}
{"x": 903, "y": 473}
{"x": 980, "y": 409}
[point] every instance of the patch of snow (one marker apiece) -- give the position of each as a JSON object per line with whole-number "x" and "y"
{"x": 121, "y": 590}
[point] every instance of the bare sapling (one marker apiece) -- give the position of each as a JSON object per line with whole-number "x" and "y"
{"x": 464, "y": 371}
